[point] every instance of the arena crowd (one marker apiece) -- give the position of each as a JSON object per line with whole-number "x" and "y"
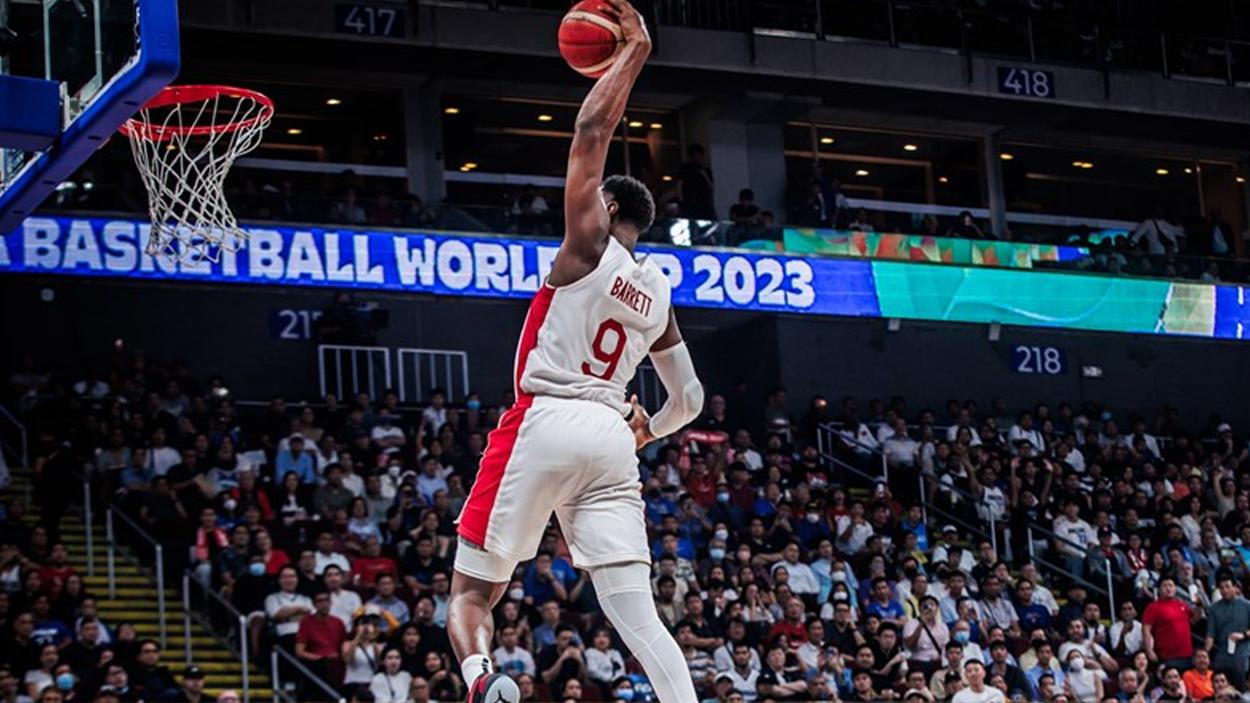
{"x": 965, "y": 553}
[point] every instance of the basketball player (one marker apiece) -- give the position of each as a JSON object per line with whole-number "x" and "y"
{"x": 566, "y": 445}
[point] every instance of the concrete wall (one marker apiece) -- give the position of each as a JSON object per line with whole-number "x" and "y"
{"x": 228, "y": 330}
{"x": 532, "y": 33}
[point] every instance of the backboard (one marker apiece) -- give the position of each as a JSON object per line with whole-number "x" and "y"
{"x": 101, "y": 61}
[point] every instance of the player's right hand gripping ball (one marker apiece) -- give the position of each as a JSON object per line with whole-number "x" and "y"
{"x": 590, "y": 38}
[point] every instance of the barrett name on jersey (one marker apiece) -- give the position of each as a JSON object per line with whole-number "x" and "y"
{"x": 596, "y": 331}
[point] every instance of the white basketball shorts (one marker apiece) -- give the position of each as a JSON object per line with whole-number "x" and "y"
{"x": 575, "y": 458}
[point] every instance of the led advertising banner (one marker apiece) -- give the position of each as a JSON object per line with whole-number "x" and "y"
{"x": 514, "y": 267}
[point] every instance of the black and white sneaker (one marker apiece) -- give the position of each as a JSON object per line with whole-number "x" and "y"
{"x": 494, "y": 688}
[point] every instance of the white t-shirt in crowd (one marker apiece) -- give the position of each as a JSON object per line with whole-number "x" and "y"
{"x": 162, "y": 459}
{"x": 988, "y": 695}
{"x": 518, "y": 661}
{"x": 277, "y": 601}
{"x": 391, "y": 689}
{"x": 343, "y": 606}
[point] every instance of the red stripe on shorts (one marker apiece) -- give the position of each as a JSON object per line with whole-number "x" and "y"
{"x": 475, "y": 515}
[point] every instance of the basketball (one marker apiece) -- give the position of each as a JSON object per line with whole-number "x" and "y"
{"x": 589, "y": 39}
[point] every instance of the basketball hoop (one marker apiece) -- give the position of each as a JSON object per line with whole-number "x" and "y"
{"x": 184, "y": 141}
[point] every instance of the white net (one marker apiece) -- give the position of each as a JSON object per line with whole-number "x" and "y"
{"x": 184, "y": 145}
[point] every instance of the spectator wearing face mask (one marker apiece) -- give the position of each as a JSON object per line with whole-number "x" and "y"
{"x": 1084, "y": 683}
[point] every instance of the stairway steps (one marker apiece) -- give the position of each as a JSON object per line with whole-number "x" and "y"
{"x": 135, "y": 599}
{"x": 258, "y": 694}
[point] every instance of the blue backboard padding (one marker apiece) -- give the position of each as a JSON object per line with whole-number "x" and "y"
{"x": 156, "y": 65}
{"x": 30, "y": 120}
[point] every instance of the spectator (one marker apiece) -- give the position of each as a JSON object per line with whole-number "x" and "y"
{"x": 965, "y": 227}
{"x": 1198, "y": 680}
{"x": 391, "y": 684}
{"x": 387, "y": 601}
{"x": 509, "y": 657}
{"x": 1159, "y": 236}
{"x": 320, "y": 637}
{"x": 977, "y": 691}
{"x": 347, "y": 211}
{"x": 192, "y": 689}
{"x": 1166, "y": 635}
{"x": 695, "y": 186}
{"x": 286, "y": 607}
{"x": 779, "y": 682}
{"x": 603, "y": 663}
{"x": 297, "y": 461}
{"x": 1084, "y": 683}
{"x": 151, "y": 679}
{"x": 362, "y": 653}
{"x": 562, "y": 660}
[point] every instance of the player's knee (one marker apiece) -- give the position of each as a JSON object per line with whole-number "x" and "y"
{"x": 692, "y": 398}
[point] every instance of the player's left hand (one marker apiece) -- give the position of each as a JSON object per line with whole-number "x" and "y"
{"x": 640, "y": 424}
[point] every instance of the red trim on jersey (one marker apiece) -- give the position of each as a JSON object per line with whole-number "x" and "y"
{"x": 475, "y": 516}
{"x": 534, "y": 320}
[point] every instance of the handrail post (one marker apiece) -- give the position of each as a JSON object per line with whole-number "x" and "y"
{"x": 924, "y": 501}
{"x": 993, "y": 528}
{"x": 273, "y": 674}
{"x": 112, "y": 556}
{"x": 1110, "y": 590}
{"x": 186, "y": 614}
{"x": 1032, "y": 556}
{"x": 244, "y": 655}
{"x": 89, "y": 519}
{"x": 160, "y": 593}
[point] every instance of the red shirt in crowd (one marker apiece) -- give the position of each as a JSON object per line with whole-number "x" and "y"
{"x": 276, "y": 560}
{"x": 322, "y": 636}
{"x": 370, "y": 568}
{"x": 795, "y": 632}
{"x": 1169, "y": 619}
{"x": 53, "y": 578}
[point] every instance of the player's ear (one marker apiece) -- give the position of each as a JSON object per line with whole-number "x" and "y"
{"x": 612, "y": 207}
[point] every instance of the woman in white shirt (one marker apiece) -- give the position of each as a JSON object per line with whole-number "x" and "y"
{"x": 392, "y": 684}
{"x": 361, "y": 526}
{"x": 1084, "y": 685}
{"x": 603, "y": 663}
{"x": 40, "y": 677}
{"x": 361, "y": 653}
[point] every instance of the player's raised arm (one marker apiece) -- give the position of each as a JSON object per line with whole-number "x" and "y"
{"x": 675, "y": 368}
{"x": 585, "y": 217}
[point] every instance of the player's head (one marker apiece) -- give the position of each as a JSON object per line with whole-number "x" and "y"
{"x": 628, "y": 202}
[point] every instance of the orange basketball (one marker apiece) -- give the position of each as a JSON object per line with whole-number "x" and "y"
{"x": 589, "y": 38}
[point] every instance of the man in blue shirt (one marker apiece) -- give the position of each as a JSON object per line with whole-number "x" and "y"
{"x": 882, "y": 605}
{"x": 548, "y": 578}
{"x": 1047, "y": 665}
{"x": 913, "y": 522}
{"x": 48, "y": 630}
{"x": 1033, "y": 616}
{"x": 296, "y": 460}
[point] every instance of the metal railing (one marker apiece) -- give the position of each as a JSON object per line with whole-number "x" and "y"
{"x": 88, "y": 519}
{"x": 206, "y": 619}
{"x": 22, "y": 452}
{"x": 364, "y": 365}
{"x": 828, "y": 434}
{"x": 112, "y": 515}
{"x": 427, "y": 369}
{"x": 1108, "y": 592}
{"x": 279, "y": 654}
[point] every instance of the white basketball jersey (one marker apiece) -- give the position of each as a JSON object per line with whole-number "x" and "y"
{"x": 585, "y": 340}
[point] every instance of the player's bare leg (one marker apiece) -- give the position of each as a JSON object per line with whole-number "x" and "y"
{"x": 471, "y": 627}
